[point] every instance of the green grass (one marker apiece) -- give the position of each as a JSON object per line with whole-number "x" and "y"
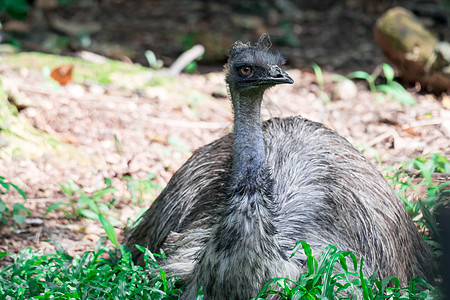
{"x": 322, "y": 281}
{"x": 105, "y": 273}
{"x": 18, "y": 212}
{"x": 109, "y": 273}
{"x": 102, "y": 273}
{"x": 422, "y": 210}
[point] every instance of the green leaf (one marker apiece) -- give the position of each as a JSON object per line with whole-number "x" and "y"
{"x": 108, "y": 181}
{"x": 118, "y": 150}
{"x": 359, "y": 75}
{"x": 69, "y": 188}
{"x": 55, "y": 206}
{"x": 318, "y": 72}
{"x": 19, "y": 218}
{"x": 440, "y": 187}
{"x": 153, "y": 62}
{"x": 151, "y": 58}
{"x": 191, "y": 67}
{"x": 19, "y": 191}
{"x": 385, "y": 281}
{"x": 88, "y": 214}
{"x": 310, "y": 260}
{"x": 3, "y": 207}
{"x": 4, "y": 184}
{"x": 147, "y": 253}
{"x": 18, "y": 207}
{"x": 131, "y": 186}
{"x": 90, "y": 203}
{"x": 388, "y": 73}
{"x": 296, "y": 248}
{"x": 102, "y": 192}
{"x": 109, "y": 229}
{"x": 397, "y": 92}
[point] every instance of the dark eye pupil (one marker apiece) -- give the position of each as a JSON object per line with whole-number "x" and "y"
{"x": 246, "y": 70}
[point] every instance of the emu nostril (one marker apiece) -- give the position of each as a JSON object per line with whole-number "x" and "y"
{"x": 276, "y": 72}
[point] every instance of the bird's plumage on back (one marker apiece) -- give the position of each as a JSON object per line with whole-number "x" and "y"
{"x": 230, "y": 216}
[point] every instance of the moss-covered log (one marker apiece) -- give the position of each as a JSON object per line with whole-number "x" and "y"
{"x": 418, "y": 55}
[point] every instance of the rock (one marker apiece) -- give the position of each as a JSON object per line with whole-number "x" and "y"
{"x": 345, "y": 90}
{"x": 34, "y": 221}
{"x": 416, "y": 53}
{"x": 439, "y": 74}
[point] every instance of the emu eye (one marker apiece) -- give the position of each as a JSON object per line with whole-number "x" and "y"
{"x": 245, "y": 71}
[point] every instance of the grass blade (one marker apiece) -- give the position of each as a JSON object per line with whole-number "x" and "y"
{"x": 109, "y": 229}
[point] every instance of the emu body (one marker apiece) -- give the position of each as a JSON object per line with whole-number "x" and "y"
{"x": 230, "y": 216}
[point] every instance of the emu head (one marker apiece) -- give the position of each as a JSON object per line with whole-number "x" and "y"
{"x": 252, "y": 69}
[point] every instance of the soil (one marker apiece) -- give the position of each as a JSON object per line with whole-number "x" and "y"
{"x": 130, "y": 133}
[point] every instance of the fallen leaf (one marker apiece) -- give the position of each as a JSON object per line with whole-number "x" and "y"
{"x": 409, "y": 130}
{"x": 62, "y": 74}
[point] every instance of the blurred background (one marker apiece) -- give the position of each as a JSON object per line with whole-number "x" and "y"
{"x": 336, "y": 34}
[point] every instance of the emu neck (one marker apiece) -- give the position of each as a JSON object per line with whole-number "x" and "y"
{"x": 248, "y": 146}
{"x": 243, "y": 251}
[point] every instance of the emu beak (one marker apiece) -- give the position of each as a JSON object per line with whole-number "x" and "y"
{"x": 276, "y": 75}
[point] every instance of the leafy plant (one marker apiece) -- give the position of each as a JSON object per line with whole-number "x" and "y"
{"x": 99, "y": 274}
{"x": 88, "y": 206}
{"x": 153, "y": 62}
{"x": 429, "y": 164}
{"x": 319, "y": 75}
{"x": 109, "y": 230}
{"x": 19, "y": 211}
{"x": 422, "y": 210}
{"x": 391, "y": 87}
{"x": 320, "y": 281}
{"x": 139, "y": 187}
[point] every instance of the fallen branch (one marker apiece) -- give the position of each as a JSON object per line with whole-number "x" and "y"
{"x": 391, "y": 133}
{"x": 184, "y": 59}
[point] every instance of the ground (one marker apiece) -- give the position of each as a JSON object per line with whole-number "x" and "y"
{"x": 127, "y": 130}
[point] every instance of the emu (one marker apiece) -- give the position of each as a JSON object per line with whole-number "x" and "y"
{"x": 231, "y": 215}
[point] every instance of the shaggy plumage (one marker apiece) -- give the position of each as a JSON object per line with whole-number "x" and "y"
{"x": 230, "y": 216}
